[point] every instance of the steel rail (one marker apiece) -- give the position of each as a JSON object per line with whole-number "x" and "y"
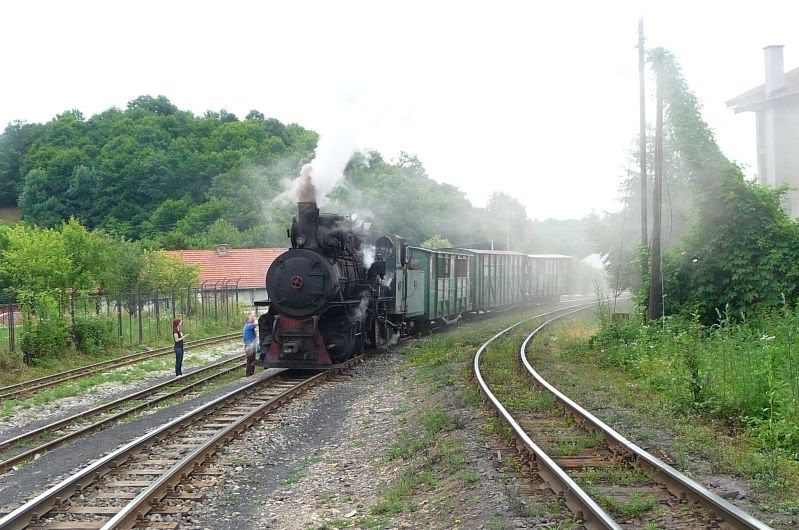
{"x": 11, "y": 461}
{"x": 42, "y": 503}
{"x": 676, "y": 482}
{"x": 22, "y": 516}
{"x": 136, "y": 509}
{"x": 33, "y": 385}
{"x": 592, "y": 515}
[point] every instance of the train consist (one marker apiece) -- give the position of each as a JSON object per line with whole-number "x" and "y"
{"x": 330, "y": 295}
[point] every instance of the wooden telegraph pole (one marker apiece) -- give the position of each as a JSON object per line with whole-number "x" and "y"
{"x": 655, "y": 309}
{"x": 642, "y": 148}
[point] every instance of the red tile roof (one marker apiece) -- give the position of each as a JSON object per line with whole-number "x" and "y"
{"x": 752, "y": 99}
{"x": 248, "y": 265}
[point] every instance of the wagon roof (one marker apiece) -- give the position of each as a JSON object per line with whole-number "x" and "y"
{"x": 502, "y": 252}
{"x": 553, "y": 256}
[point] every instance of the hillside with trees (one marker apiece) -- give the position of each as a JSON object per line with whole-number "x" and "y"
{"x": 171, "y": 179}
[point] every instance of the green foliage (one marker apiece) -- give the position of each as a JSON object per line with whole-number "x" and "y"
{"x": 35, "y": 260}
{"x": 730, "y": 246}
{"x": 14, "y": 143}
{"x": 44, "y": 333}
{"x": 741, "y": 372}
{"x": 436, "y": 242}
{"x": 115, "y": 169}
{"x": 156, "y": 173}
{"x": 742, "y": 253}
{"x": 94, "y": 334}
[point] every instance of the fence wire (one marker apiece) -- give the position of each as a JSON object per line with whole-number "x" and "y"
{"x": 136, "y": 317}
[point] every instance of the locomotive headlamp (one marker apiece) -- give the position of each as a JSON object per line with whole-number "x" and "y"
{"x": 300, "y": 240}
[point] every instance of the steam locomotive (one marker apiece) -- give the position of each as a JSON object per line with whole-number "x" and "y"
{"x": 331, "y": 296}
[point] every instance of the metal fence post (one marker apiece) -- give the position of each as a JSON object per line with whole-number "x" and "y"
{"x": 138, "y": 312}
{"x": 216, "y": 300}
{"x": 157, "y": 313}
{"x": 72, "y": 309}
{"x": 119, "y": 318}
{"x": 11, "y": 328}
{"x": 130, "y": 318}
{"x": 174, "y": 313}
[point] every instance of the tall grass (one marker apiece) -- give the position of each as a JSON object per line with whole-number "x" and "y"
{"x": 743, "y": 370}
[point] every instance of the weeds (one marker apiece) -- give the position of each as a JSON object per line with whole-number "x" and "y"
{"x": 742, "y": 371}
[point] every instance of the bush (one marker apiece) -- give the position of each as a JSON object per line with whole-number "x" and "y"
{"x": 44, "y": 333}
{"x": 94, "y": 334}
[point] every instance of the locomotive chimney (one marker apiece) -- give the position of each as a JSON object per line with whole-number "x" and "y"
{"x": 307, "y": 222}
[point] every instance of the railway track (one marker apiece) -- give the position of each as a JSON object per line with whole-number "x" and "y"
{"x": 18, "y": 449}
{"x": 606, "y": 480}
{"x": 35, "y": 385}
{"x": 149, "y": 475}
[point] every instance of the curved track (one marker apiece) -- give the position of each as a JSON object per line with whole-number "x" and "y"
{"x": 693, "y": 506}
{"x": 41, "y": 383}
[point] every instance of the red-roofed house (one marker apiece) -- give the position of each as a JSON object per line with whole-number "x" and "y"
{"x": 776, "y": 106}
{"x": 244, "y": 268}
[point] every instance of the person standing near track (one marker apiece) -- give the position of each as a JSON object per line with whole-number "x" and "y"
{"x": 178, "y": 335}
{"x": 250, "y": 343}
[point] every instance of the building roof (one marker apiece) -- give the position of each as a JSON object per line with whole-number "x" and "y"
{"x": 756, "y": 97}
{"x": 247, "y": 265}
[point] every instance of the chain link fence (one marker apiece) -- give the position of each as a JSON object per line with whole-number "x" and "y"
{"x": 135, "y": 318}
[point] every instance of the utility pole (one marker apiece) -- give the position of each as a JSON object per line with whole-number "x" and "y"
{"x": 642, "y": 147}
{"x": 654, "y": 308}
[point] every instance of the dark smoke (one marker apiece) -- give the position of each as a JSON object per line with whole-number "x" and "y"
{"x": 306, "y": 191}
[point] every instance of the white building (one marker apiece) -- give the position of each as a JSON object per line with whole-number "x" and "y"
{"x": 776, "y": 106}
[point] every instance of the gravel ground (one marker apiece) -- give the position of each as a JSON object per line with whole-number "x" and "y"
{"x": 25, "y": 419}
{"x": 30, "y": 480}
{"x": 321, "y": 464}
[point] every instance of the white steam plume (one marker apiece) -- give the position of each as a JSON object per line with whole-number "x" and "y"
{"x": 368, "y": 252}
{"x": 320, "y": 176}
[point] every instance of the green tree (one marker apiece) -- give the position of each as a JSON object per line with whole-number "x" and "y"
{"x": 436, "y": 242}
{"x": 35, "y": 260}
{"x": 14, "y": 144}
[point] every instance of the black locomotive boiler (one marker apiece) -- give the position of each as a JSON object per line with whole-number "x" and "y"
{"x": 319, "y": 293}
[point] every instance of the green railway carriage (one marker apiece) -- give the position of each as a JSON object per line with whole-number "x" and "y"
{"x": 422, "y": 285}
{"x": 550, "y": 275}
{"x": 499, "y": 278}
{"x": 447, "y": 274}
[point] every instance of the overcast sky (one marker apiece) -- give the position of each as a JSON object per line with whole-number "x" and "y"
{"x": 537, "y": 99}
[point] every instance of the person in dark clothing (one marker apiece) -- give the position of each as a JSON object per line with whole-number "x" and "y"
{"x": 250, "y": 344}
{"x": 178, "y": 335}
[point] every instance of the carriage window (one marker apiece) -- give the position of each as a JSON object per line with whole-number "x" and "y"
{"x": 444, "y": 266}
{"x": 461, "y": 267}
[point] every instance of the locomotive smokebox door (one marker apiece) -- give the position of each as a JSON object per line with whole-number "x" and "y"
{"x": 301, "y": 282}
